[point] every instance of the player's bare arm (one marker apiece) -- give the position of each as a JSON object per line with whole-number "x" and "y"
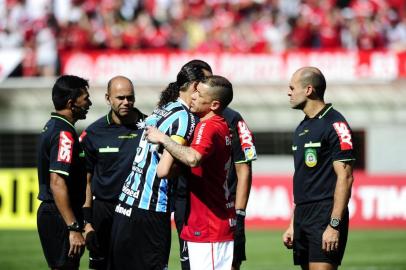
{"x": 166, "y": 167}
{"x": 60, "y": 193}
{"x": 184, "y": 154}
{"x": 342, "y": 195}
{"x": 88, "y": 203}
{"x": 287, "y": 236}
{"x": 244, "y": 181}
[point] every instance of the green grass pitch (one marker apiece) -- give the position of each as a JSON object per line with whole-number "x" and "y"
{"x": 366, "y": 250}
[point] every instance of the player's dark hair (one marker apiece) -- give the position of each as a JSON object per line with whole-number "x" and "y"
{"x": 200, "y": 64}
{"x": 67, "y": 87}
{"x": 313, "y": 76}
{"x": 186, "y": 75}
{"x": 222, "y": 89}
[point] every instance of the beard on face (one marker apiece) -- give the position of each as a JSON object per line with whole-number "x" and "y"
{"x": 79, "y": 113}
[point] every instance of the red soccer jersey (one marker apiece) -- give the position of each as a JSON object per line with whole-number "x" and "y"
{"x": 211, "y": 217}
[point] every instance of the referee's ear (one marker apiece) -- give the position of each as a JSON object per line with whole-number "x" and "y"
{"x": 107, "y": 96}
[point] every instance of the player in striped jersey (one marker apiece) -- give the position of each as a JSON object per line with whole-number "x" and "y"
{"x": 141, "y": 229}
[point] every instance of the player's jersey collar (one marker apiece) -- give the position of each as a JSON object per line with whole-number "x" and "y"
{"x": 183, "y": 102}
{"x": 323, "y": 112}
{"x": 61, "y": 117}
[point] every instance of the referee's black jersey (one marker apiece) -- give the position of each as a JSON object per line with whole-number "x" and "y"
{"x": 317, "y": 142}
{"x": 109, "y": 153}
{"x": 60, "y": 152}
{"x": 243, "y": 148}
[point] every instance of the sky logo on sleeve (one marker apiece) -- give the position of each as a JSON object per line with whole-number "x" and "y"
{"x": 344, "y": 135}
{"x": 65, "y": 147}
{"x": 246, "y": 140}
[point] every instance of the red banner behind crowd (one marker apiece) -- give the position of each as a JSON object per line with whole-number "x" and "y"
{"x": 339, "y": 66}
{"x": 378, "y": 201}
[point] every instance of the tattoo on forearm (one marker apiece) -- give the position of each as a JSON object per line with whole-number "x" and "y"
{"x": 178, "y": 151}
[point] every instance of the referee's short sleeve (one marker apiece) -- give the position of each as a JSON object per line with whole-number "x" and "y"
{"x": 341, "y": 141}
{"x": 61, "y": 152}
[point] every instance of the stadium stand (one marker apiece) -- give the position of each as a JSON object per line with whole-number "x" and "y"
{"x": 44, "y": 28}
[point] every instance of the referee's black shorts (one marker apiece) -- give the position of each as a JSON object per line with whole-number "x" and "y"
{"x": 310, "y": 222}
{"x": 141, "y": 241}
{"x": 54, "y": 237}
{"x": 102, "y": 221}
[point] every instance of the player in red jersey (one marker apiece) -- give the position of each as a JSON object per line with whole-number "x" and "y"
{"x": 209, "y": 225}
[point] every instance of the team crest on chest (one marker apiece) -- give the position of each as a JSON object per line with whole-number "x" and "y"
{"x": 310, "y": 156}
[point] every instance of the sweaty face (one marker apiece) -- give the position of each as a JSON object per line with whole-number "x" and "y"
{"x": 296, "y": 93}
{"x": 81, "y": 105}
{"x": 121, "y": 98}
{"x": 201, "y": 100}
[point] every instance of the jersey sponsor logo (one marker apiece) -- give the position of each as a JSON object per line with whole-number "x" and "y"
{"x": 161, "y": 112}
{"x": 137, "y": 169}
{"x": 245, "y": 134}
{"x": 344, "y": 135}
{"x": 232, "y": 222}
{"x": 247, "y": 142}
{"x": 228, "y": 140}
{"x": 82, "y": 136}
{"x": 310, "y": 157}
{"x": 124, "y": 211}
{"x": 304, "y": 132}
{"x": 200, "y": 133}
{"x": 130, "y": 136}
{"x": 192, "y": 126}
{"x": 65, "y": 147}
{"x": 134, "y": 194}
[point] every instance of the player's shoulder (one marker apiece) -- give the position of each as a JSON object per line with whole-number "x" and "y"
{"x": 332, "y": 116}
{"x": 99, "y": 123}
{"x": 231, "y": 115}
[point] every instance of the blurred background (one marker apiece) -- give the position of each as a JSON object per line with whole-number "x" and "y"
{"x": 360, "y": 46}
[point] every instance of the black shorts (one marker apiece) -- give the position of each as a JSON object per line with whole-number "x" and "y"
{"x": 179, "y": 216}
{"x": 54, "y": 237}
{"x": 310, "y": 222}
{"x": 141, "y": 241}
{"x": 103, "y": 212}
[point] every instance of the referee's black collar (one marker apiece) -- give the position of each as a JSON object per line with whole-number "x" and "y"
{"x": 323, "y": 112}
{"x": 140, "y": 115}
{"x": 59, "y": 116}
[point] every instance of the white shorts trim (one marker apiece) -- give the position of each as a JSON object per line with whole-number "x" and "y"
{"x": 211, "y": 256}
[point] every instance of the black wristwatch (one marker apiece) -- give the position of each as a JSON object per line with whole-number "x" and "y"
{"x": 335, "y": 223}
{"x": 75, "y": 227}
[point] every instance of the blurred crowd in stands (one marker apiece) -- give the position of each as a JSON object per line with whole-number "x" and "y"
{"x": 44, "y": 28}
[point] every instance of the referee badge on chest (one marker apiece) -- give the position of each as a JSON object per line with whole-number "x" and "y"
{"x": 310, "y": 156}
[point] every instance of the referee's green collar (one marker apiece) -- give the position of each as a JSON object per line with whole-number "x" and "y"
{"x": 61, "y": 117}
{"x": 322, "y": 113}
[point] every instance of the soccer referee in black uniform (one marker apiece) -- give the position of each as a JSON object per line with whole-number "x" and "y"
{"x": 110, "y": 144}
{"x": 62, "y": 176}
{"x": 323, "y": 157}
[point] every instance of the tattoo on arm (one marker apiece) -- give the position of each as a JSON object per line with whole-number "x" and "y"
{"x": 184, "y": 154}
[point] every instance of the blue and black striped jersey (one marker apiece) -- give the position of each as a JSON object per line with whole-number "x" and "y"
{"x": 142, "y": 188}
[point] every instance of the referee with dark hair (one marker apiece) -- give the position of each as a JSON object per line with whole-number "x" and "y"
{"x": 62, "y": 176}
{"x": 110, "y": 144}
{"x": 323, "y": 158}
